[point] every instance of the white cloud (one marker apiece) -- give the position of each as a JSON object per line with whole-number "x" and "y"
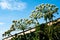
{"x": 12, "y": 5}
{"x": 1, "y": 23}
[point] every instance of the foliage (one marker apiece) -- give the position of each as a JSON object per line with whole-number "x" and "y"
{"x": 43, "y": 31}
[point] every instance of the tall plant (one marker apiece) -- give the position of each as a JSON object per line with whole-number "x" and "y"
{"x": 46, "y": 11}
{"x": 22, "y": 24}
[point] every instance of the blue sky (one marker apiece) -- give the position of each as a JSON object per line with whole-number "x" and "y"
{"x": 16, "y": 9}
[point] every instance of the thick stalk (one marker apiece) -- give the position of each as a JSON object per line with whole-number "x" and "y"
{"x": 24, "y": 35}
{"x": 50, "y": 32}
{"x": 37, "y": 29}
